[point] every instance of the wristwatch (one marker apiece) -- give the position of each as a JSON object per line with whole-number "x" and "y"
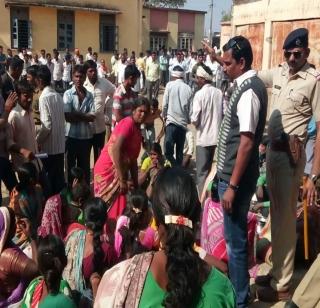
{"x": 314, "y": 178}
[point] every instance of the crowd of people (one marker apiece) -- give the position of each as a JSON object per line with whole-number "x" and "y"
{"x": 131, "y": 233}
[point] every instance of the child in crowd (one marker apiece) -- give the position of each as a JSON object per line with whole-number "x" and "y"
{"x": 133, "y": 234}
{"x": 150, "y": 167}
{"x": 148, "y": 132}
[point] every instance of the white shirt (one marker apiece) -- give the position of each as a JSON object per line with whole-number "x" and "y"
{"x": 214, "y": 66}
{"x": 207, "y": 115}
{"x": 51, "y": 134}
{"x": 102, "y": 90}
{"x": 24, "y": 133}
{"x": 248, "y": 106}
{"x": 57, "y": 69}
{"x": 89, "y": 57}
{"x": 120, "y": 72}
{"x": 43, "y": 60}
{"x": 66, "y": 76}
{"x": 51, "y": 67}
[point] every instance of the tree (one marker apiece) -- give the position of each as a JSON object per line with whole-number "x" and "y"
{"x": 226, "y": 16}
{"x": 166, "y": 3}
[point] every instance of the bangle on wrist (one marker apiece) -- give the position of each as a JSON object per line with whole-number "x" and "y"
{"x": 202, "y": 253}
{"x": 233, "y": 187}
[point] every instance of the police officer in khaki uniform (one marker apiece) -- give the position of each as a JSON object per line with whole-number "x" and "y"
{"x": 295, "y": 98}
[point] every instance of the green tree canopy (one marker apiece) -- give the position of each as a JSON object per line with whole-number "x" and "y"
{"x": 166, "y": 3}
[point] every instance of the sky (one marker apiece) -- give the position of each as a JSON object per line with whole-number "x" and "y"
{"x": 218, "y": 7}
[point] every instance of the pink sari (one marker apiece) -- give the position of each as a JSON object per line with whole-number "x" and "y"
{"x": 212, "y": 233}
{"x": 106, "y": 180}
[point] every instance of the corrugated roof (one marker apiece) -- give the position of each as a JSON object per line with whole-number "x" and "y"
{"x": 66, "y": 4}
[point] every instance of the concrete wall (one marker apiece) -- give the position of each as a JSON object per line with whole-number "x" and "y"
{"x": 173, "y": 29}
{"x": 5, "y": 39}
{"x": 44, "y": 26}
{"x": 247, "y": 12}
{"x": 198, "y": 31}
{"x": 226, "y": 33}
{"x": 146, "y": 29}
{"x": 186, "y": 22}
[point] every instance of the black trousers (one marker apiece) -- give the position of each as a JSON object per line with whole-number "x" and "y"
{"x": 78, "y": 155}
{"x": 98, "y": 141}
{"x": 54, "y": 168}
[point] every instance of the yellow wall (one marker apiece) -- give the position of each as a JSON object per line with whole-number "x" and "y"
{"x": 5, "y": 39}
{"x": 44, "y": 28}
{"x": 198, "y": 31}
{"x": 146, "y": 30}
{"x": 87, "y": 31}
{"x": 173, "y": 29}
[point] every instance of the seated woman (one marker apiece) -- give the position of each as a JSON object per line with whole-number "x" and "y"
{"x": 27, "y": 201}
{"x": 118, "y": 161}
{"x": 16, "y": 269}
{"x": 133, "y": 234}
{"x": 65, "y": 208}
{"x": 87, "y": 252}
{"x": 175, "y": 276}
{"x": 151, "y": 166}
{"x": 49, "y": 290}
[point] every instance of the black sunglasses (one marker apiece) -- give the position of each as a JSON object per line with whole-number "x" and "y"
{"x": 296, "y": 54}
{"x": 233, "y": 44}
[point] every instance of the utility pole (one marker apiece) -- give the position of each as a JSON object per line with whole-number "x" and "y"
{"x": 211, "y": 23}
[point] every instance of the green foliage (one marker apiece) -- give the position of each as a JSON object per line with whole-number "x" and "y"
{"x": 226, "y": 15}
{"x": 166, "y": 3}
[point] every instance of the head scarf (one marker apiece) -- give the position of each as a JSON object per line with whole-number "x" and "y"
{"x": 4, "y": 226}
{"x": 177, "y": 72}
{"x": 201, "y": 72}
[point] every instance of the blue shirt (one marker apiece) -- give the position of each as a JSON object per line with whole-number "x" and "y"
{"x": 79, "y": 130}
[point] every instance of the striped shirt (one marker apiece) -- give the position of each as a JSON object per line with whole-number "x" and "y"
{"x": 51, "y": 134}
{"x": 78, "y": 130}
{"x": 123, "y": 100}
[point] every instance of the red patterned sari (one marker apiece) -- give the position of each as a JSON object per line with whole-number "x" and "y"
{"x": 106, "y": 179}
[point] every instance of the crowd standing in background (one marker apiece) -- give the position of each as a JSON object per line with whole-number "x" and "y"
{"x": 144, "y": 233}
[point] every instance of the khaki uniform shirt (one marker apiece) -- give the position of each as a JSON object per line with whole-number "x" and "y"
{"x": 294, "y": 100}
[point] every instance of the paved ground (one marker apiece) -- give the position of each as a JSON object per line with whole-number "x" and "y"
{"x": 264, "y": 268}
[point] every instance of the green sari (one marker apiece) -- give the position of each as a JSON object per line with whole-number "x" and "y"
{"x": 34, "y": 292}
{"x": 217, "y": 292}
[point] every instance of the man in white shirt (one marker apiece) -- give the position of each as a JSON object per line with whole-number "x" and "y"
{"x": 89, "y": 55}
{"x": 178, "y": 60}
{"x": 120, "y": 68}
{"x": 67, "y": 68}
{"x": 101, "y": 89}
{"x": 206, "y": 117}
{"x": 215, "y": 68}
{"x": 50, "y": 137}
{"x": 42, "y": 58}
{"x": 57, "y": 70}
{"x": 176, "y": 108}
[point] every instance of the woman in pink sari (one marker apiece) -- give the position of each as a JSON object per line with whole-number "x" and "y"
{"x": 117, "y": 163}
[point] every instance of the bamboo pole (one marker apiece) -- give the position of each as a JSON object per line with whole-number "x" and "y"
{"x": 305, "y": 228}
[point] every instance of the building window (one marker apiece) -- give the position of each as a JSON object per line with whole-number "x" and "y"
{"x": 21, "y": 36}
{"x": 185, "y": 41}
{"x": 65, "y": 30}
{"x": 157, "y": 42}
{"x": 108, "y": 33}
